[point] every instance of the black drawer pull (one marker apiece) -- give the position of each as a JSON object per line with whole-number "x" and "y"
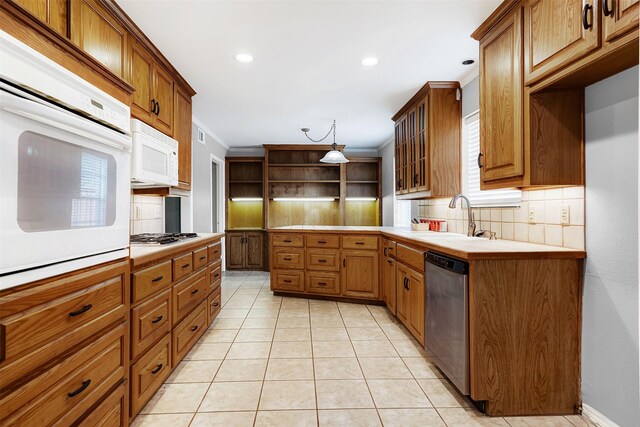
{"x": 585, "y": 16}
{"x": 215, "y": 304}
{"x": 287, "y": 281}
{"x": 194, "y": 328}
{"x": 82, "y": 310}
{"x": 203, "y": 257}
{"x": 287, "y": 259}
{"x": 322, "y": 242}
{"x": 195, "y": 291}
{"x": 322, "y": 260}
{"x": 287, "y": 241}
{"x": 216, "y": 275}
{"x": 480, "y": 160}
{"x": 186, "y": 266}
{"x": 84, "y": 385}
{"x": 385, "y": 251}
{"x": 158, "y": 109}
{"x": 322, "y": 283}
{"x": 359, "y": 243}
{"x": 157, "y": 369}
{"x": 606, "y": 9}
{"x": 157, "y": 319}
{"x": 157, "y": 279}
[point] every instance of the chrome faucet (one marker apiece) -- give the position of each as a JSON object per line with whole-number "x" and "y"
{"x": 471, "y": 229}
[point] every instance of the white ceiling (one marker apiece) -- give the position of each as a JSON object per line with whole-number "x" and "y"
{"x": 307, "y": 68}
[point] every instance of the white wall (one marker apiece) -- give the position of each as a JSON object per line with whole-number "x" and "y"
{"x": 610, "y": 359}
{"x": 201, "y": 179}
{"x": 388, "y": 187}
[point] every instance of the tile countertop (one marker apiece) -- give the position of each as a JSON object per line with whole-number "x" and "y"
{"x": 453, "y": 244}
{"x": 142, "y": 253}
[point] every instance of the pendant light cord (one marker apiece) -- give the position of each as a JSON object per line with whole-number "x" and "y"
{"x": 333, "y": 128}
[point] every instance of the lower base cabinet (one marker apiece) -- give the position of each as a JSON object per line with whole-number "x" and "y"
{"x": 214, "y": 304}
{"x": 113, "y": 411}
{"x": 287, "y": 280}
{"x": 360, "y": 274}
{"x": 148, "y": 373}
{"x": 245, "y": 250}
{"x": 410, "y": 294}
{"x": 322, "y": 282}
{"x": 185, "y": 335}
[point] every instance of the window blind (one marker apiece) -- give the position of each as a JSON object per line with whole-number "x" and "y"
{"x": 479, "y": 198}
{"x": 402, "y": 213}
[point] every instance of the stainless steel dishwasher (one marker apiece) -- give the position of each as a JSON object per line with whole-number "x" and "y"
{"x": 447, "y": 317}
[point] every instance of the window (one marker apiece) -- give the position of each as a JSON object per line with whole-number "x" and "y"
{"x": 471, "y": 171}
{"x": 401, "y": 210}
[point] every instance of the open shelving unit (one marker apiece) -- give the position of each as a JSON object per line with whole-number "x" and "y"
{"x": 245, "y": 193}
{"x": 301, "y": 190}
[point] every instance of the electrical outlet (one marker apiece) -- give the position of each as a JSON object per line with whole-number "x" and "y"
{"x": 532, "y": 214}
{"x": 564, "y": 214}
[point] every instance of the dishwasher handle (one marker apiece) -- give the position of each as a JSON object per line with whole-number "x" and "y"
{"x": 450, "y": 264}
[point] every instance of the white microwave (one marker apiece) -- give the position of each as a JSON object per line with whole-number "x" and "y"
{"x": 154, "y": 161}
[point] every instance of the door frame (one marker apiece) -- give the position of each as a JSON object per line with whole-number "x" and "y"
{"x": 220, "y": 198}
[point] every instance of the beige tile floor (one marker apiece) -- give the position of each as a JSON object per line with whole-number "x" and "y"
{"x": 273, "y": 361}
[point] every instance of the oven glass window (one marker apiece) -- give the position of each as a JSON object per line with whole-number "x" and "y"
{"x": 62, "y": 186}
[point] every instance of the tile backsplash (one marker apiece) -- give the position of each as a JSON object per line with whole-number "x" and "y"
{"x": 545, "y": 225}
{"x": 147, "y": 214}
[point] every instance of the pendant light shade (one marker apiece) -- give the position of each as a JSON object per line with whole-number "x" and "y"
{"x": 334, "y": 156}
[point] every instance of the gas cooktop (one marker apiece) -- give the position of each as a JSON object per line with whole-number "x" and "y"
{"x": 160, "y": 238}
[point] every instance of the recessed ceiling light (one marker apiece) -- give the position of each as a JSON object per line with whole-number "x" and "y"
{"x": 468, "y": 61}
{"x": 370, "y": 62}
{"x": 244, "y": 58}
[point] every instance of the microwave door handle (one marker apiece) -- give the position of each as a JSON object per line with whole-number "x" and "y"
{"x": 64, "y": 121}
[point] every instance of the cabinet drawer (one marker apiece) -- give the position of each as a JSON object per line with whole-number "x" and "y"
{"x": 150, "y": 321}
{"x": 323, "y": 241}
{"x": 187, "y": 294}
{"x": 65, "y": 391}
{"x": 214, "y": 305}
{"x": 151, "y": 280}
{"x": 291, "y": 240}
{"x": 148, "y": 374}
{"x": 84, "y": 309}
{"x": 182, "y": 266}
{"x": 411, "y": 257}
{"x": 360, "y": 242}
{"x": 323, "y": 260}
{"x": 287, "y": 281}
{"x": 188, "y": 331}
{"x": 200, "y": 258}
{"x": 215, "y": 251}
{"x": 323, "y": 283}
{"x": 288, "y": 258}
{"x": 215, "y": 275}
{"x": 113, "y": 411}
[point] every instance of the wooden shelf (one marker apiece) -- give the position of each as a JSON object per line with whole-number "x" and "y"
{"x": 310, "y": 181}
{"x": 362, "y": 182}
{"x": 303, "y": 165}
{"x": 245, "y": 182}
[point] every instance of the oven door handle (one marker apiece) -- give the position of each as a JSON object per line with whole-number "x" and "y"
{"x": 63, "y": 120}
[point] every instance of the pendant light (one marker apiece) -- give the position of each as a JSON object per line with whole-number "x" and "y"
{"x": 334, "y": 156}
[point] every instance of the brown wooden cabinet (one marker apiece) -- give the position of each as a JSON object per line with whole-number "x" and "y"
{"x": 153, "y": 99}
{"x": 389, "y": 276}
{"x": 619, "y": 17}
{"x": 182, "y": 128}
{"x": 97, "y": 32}
{"x": 559, "y": 32}
{"x": 410, "y": 300}
{"x": 53, "y": 12}
{"x": 359, "y": 274}
{"x": 428, "y": 141}
{"x": 501, "y": 136}
{"x": 245, "y": 250}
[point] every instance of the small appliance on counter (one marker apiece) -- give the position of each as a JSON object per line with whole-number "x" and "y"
{"x": 64, "y": 169}
{"x": 154, "y": 161}
{"x": 160, "y": 238}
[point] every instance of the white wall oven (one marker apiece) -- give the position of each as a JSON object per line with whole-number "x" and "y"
{"x": 64, "y": 169}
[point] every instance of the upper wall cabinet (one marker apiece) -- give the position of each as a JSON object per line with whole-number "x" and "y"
{"x": 427, "y": 142}
{"x": 501, "y": 101}
{"x": 152, "y": 101}
{"x": 53, "y": 12}
{"x": 99, "y": 34}
{"x": 560, "y": 31}
{"x": 620, "y": 17}
{"x": 536, "y": 57}
{"x": 182, "y": 133}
